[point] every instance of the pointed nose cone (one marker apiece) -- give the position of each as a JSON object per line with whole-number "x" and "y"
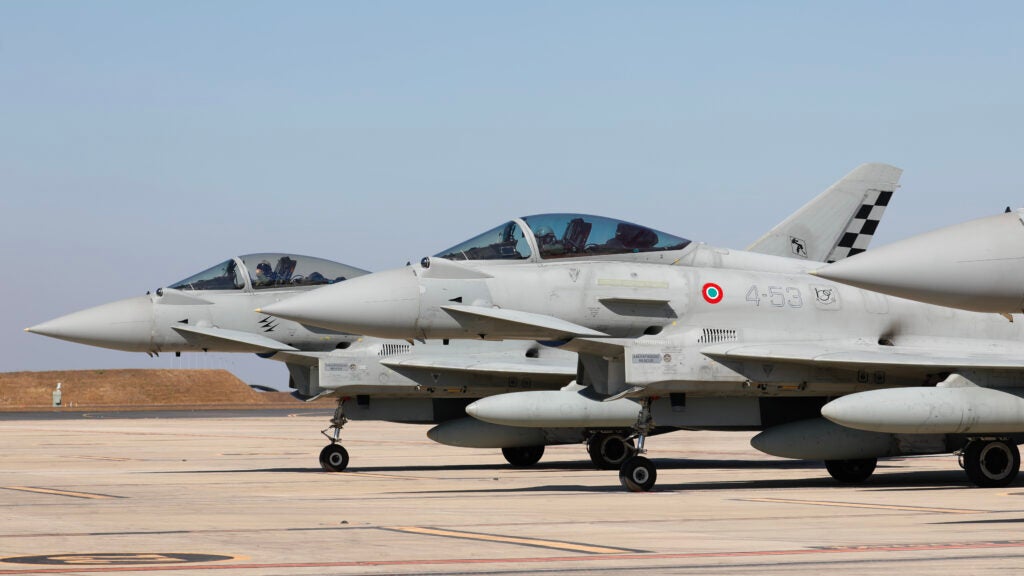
{"x": 383, "y": 304}
{"x": 122, "y": 325}
{"x": 977, "y": 265}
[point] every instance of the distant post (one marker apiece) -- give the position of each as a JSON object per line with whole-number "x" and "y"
{"x": 57, "y": 394}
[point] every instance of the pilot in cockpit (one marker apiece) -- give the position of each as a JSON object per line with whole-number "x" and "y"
{"x": 547, "y": 242}
{"x": 264, "y": 274}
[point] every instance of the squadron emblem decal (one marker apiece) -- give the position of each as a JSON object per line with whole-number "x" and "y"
{"x": 712, "y": 293}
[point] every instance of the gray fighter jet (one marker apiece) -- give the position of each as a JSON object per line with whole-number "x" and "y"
{"x": 742, "y": 341}
{"x": 426, "y": 382}
{"x": 212, "y": 311}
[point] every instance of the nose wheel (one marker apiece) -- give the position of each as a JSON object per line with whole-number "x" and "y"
{"x": 638, "y": 474}
{"x": 334, "y": 457}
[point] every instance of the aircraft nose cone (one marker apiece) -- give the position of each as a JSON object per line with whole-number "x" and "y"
{"x": 122, "y": 325}
{"x": 383, "y": 304}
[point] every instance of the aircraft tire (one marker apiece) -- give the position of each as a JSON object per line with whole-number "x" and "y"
{"x": 609, "y": 451}
{"x": 638, "y": 474}
{"x": 992, "y": 463}
{"x": 851, "y": 471}
{"x": 523, "y": 456}
{"x": 334, "y": 458}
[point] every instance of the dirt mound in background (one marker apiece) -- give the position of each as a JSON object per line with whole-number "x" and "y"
{"x": 133, "y": 388}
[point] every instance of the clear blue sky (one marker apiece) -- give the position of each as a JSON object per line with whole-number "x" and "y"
{"x": 141, "y": 142}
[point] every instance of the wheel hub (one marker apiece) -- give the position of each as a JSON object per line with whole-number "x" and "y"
{"x": 995, "y": 461}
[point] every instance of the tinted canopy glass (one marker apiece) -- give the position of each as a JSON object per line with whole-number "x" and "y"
{"x": 573, "y": 235}
{"x": 506, "y": 242}
{"x": 223, "y": 276}
{"x": 286, "y": 270}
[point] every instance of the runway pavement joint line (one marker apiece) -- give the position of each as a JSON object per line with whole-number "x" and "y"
{"x": 534, "y": 542}
{"x": 68, "y": 493}
{"x": 868, "y": 506}
{"x": 885, "y": 548}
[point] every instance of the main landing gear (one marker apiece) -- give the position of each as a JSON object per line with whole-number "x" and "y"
{"x": 608, "y": 450}
{"x": 991, "y": 463}
{"x": 638, "y": 474}
{"x": 334, "y": 457}
{"x": 851, "y": 471}
{"x": 523, "y": 456}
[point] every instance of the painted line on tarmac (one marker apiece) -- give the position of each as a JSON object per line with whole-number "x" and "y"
{"x": 68, "y": 493}
{"x": 870, "y": 506}
{"x": 102, "y": 458}
{"x": 393, "y": 476}
{"x": 884, "y": 548}
{"x": 534, "y": 542}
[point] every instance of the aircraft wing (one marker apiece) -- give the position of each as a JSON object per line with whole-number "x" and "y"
{"x": 224, "y": 340}
{"x": 853, "y": 355}
{"x": 516, "y": 324}
{"x": 475, "y": 365}
{"x": 607, "y": 347}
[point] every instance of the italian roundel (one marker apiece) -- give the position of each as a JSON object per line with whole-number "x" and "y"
{"x": 712, "y": 293}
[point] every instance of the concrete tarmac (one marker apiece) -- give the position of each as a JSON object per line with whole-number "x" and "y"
{"x": 243, "y": 493}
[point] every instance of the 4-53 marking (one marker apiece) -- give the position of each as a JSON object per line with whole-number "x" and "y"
{"x": 777, "y": 296}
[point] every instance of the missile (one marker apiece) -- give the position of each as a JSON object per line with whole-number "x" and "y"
{"x": 976, "y": 265}
{"x": 472, "y": 433}
{"x": 554, "y": 409}
{"x": 933, "y": 410}
{"x": 819, "y": 439}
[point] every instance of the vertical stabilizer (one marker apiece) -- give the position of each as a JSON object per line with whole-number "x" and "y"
{"x": 839, "y": 222}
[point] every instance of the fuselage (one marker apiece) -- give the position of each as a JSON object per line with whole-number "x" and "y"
{"x": 668, "y": 314}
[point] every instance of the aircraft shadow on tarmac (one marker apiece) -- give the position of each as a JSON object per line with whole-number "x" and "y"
{"x": 895, "y": 476}
{"x": 583, "y": 465}
{"x": 924, "y": 480}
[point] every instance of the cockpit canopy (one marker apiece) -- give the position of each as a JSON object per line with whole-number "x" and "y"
{"x": 562, "y": 236}
{"x": 268, "y": 270}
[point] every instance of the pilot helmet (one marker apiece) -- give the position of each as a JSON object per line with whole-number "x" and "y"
{"x": 544, "y": 234}
{"x": 264, "y": 267}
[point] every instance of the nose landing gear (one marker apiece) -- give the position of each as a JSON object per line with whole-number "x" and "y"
{"x": 334, "y": 457}
{"x": 638, "y": 474}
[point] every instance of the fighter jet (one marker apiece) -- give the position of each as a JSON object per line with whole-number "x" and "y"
{"x": 976, "y": 265}
{"x": 427, "y": 382}
{"x": 747, "y": 341}
{"x": 212, "y": 311}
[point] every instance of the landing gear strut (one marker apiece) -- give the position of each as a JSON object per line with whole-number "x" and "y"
{"x": 334, "y": 457}
{"x": 608, "y": 451}
{"x": 638, "y": 474}
{"x": 991, "y": 463}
